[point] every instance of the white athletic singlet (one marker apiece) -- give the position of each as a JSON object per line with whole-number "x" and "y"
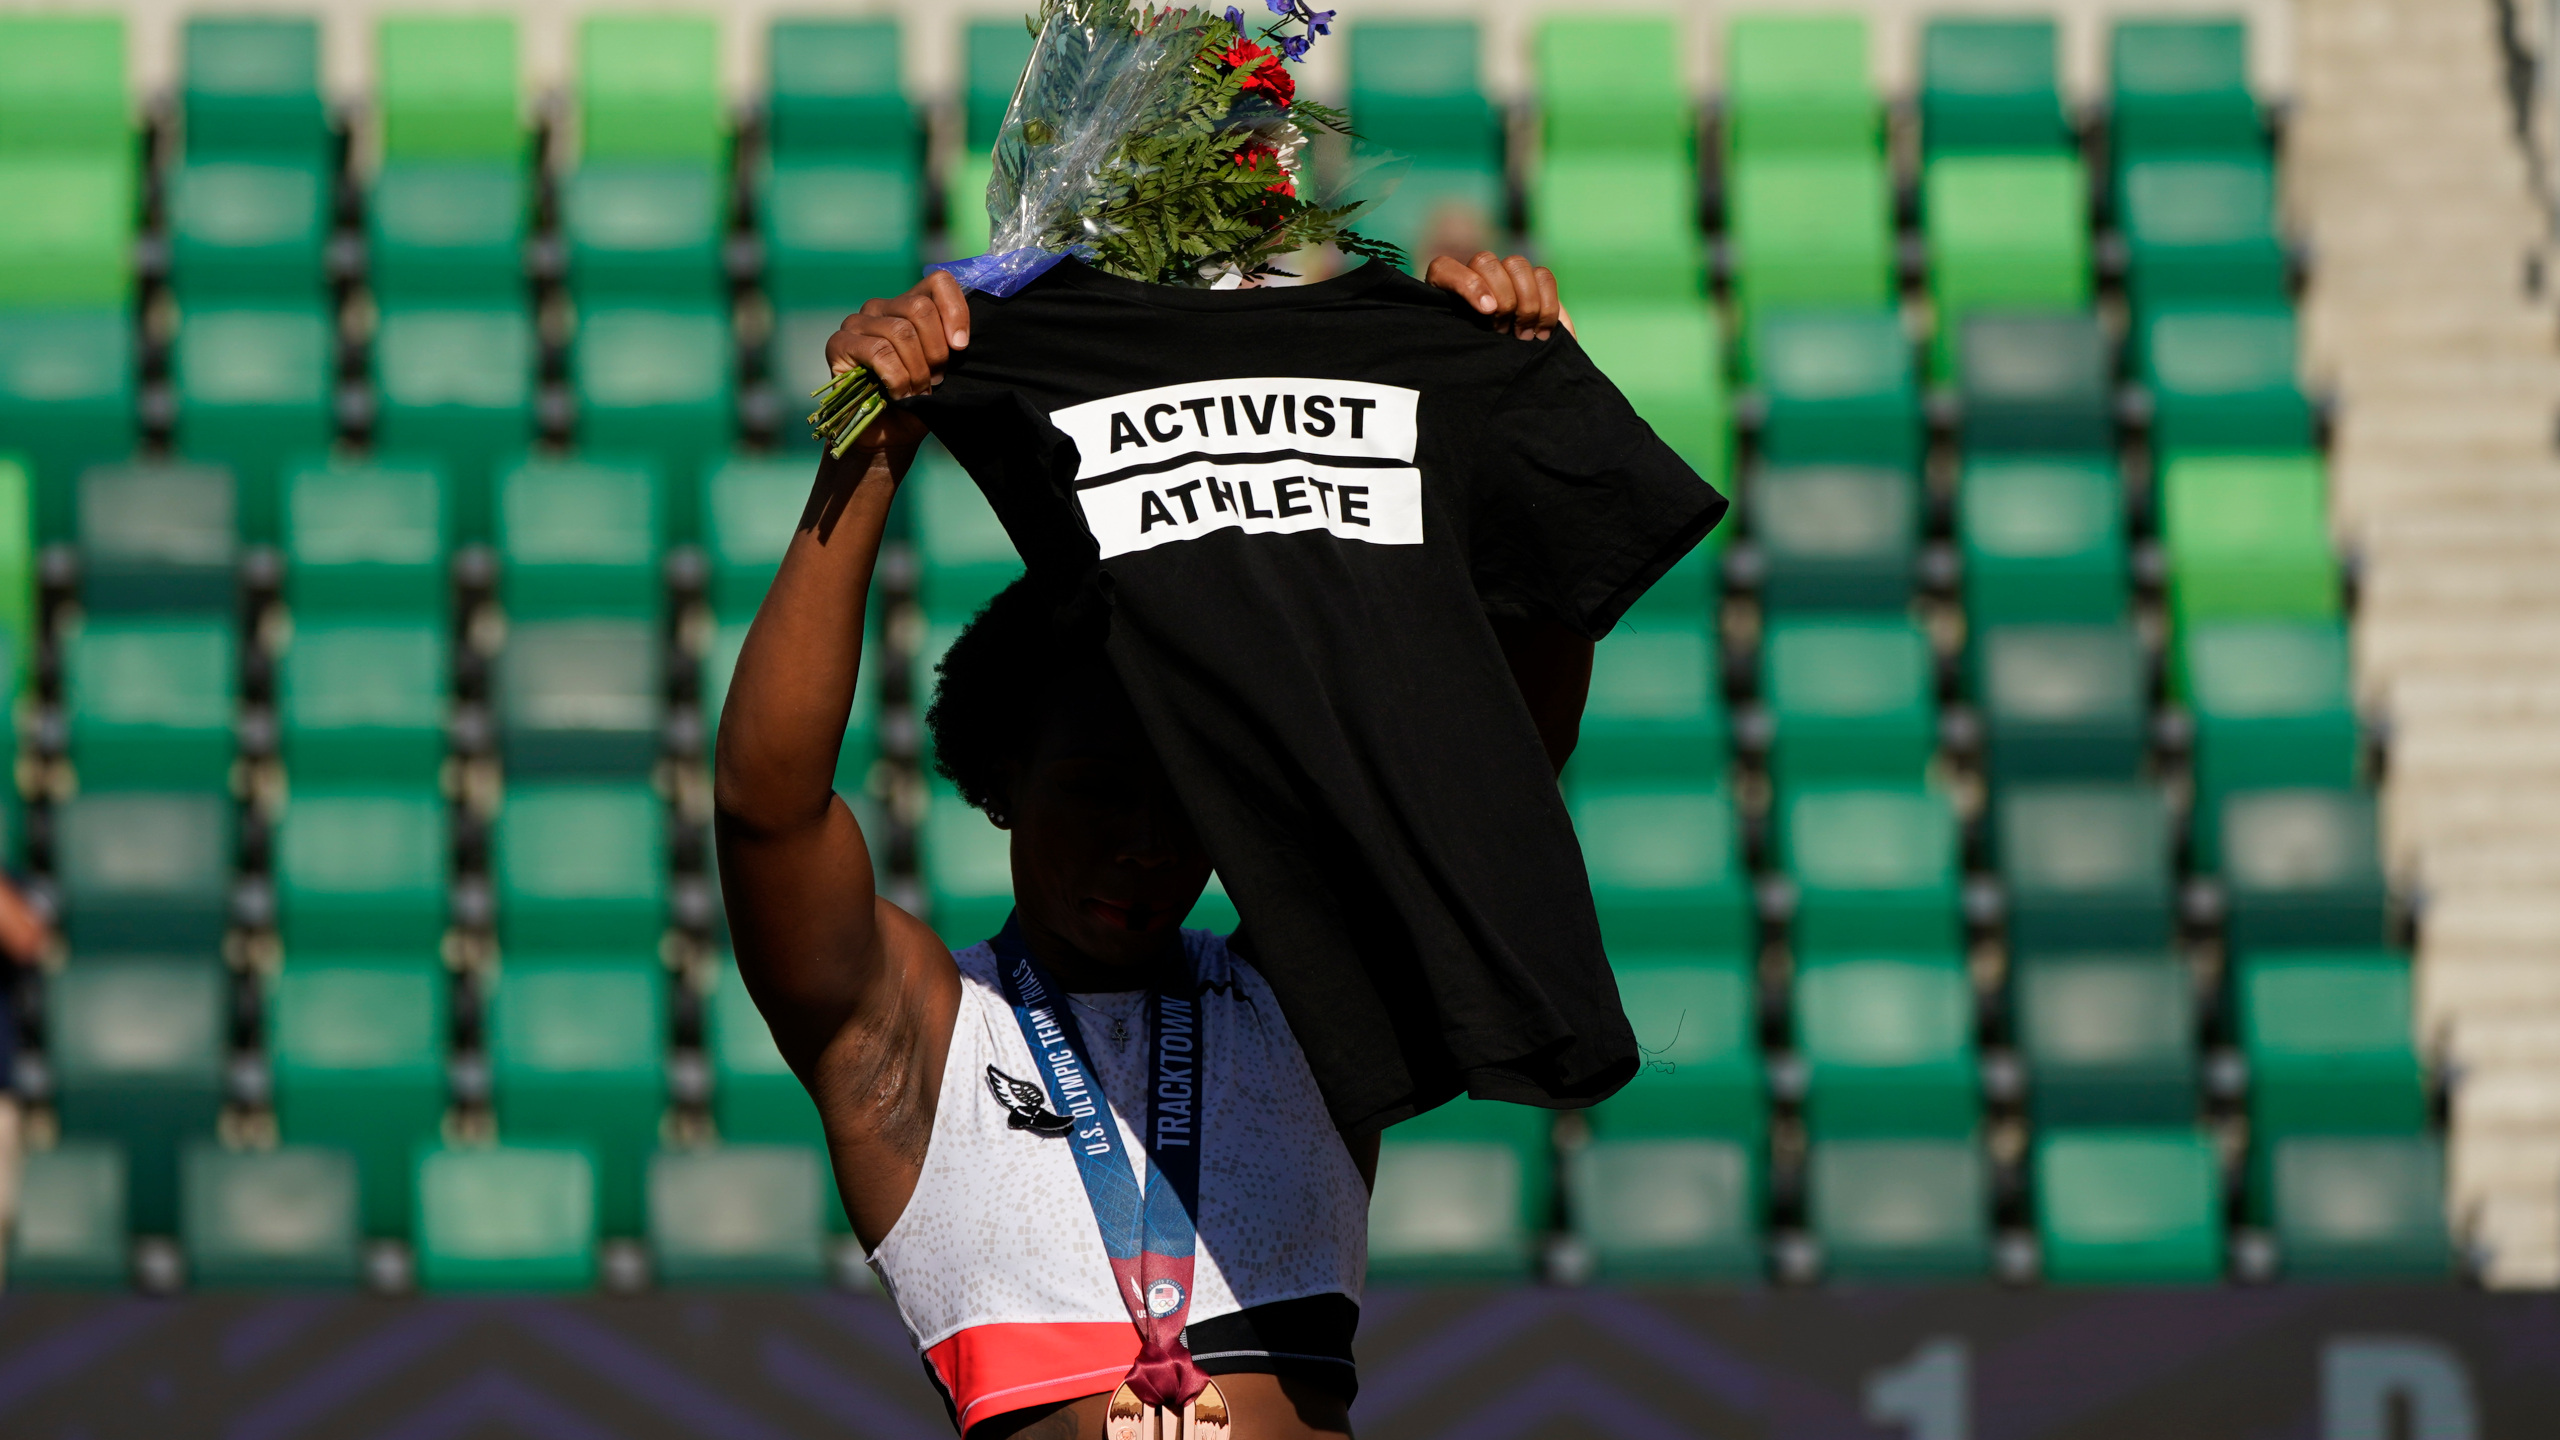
{"x": 996, "y": 1265}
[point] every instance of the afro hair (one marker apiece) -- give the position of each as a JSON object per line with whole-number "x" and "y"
{"x": 987, "y": 712}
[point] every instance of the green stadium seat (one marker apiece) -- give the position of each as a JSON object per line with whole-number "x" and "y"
{"x": 751, "y": 507}
{"x": 151, "y": 703}
{"x": 1851, "y": 698}
{"x": 581, "y": 697}
{"x": 1840, "y": 390}
{"x": 252, "y": 88}
{"x": 243, "y": 230}
{"x": 2004, "y": 233}
{"x": 1671, "y": 1208}
{"x": 1668, "y": 360}
{"x": 137, "y": 1048}
{"x": 1811, "y": 232}
{"x": 796, "y": 359}
{"x": 448, "y": 232}
{"x": 755, "y": 1099}
{"x": 2062, "y": 701}
{"x": 256, "y": 388}
{"x": 1874, "y": 869}
{"x": 577, "y": 1053}
{"x": 966, "y": 554}
{"x": 67, "y": 385}
{"x": 1687, "y": 592}
{"x": 18, "y": 578}
{"x": 2271, "y": 704}
{"x": 1901, "y": 1208}
{"x": 739, "y": 1214}
{"x": 1621, "y": 225}
{"x": 506, "y": 1217}
{"x": 144, "y": 871}
{"x": 356, "y": 1045}
{"x": 2223, "y": 379}
{"x": 2202, "y": 228}
{"x": 581, "y": 866}
{"x": 157, "y": 539}
{"x": 448, "y": 88}
{"x": 578, "y": 538}
{"x": 2134, "y": 1206}
{"x": 1612, "y": 83}
{"x": 2085, "y": 867}
{"x": 457, "y": 385}
{"x": 69, "y": 1231}
{"x": 862, "y": 727}
{"x": 1887, "y": 1041}
{"x": 1665, "y": 859}
{"x": 2181, "y": 85}
{"x": 1695, "y": 1013}
{"x": 1416, "y": 86}
{"x": 363, "y": 699}
{"x": 996, "y": 54}
{"x": 1215, "y": 910}
{"x": 968, "y": 869}
{"x": 1800, "y": 82}
{"x": 2302, "y": 867}
{"x": 62, "y": 85}
{"x": 2034, "y": 383}
{"x": 2248, "y": 538}
{"x": 1991, "y": 86}
{"x": 839, "y": 230}
{"x": 643, "y": 231}
{"x": 835, "y": 90}
{"x": 649, "y": 88}
{"x": 966, "y": 226}
{"x": 659, "y": 384}
{"x": 2043, "y": 540}
{"x": 2360, "y": 1207}
{"x": 1835, "y": 537}
{"x": 271, "y": 1218}
{"x": 1655, "y": 709}
{"x": 1462, "y": 1193}
{"x": 2109, "y": 1039}
{"x": 2331, "y": 1038}
{"x": 366, "y": 538}
{"x": 363, "y": 869}
{"x": 66, "y": 240}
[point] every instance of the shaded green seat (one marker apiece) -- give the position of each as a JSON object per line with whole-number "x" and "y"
{"x": 581, "y": 697}
{"x": 2180, "y": 85}
{"x": 447, "y": 88}
{"x": 581, "y": 866}
{"x": 1687, "y": 592}
{"x": 995, "y": 53}
{"x": 366, "y": 539}
{"x": 2272, "y": 707}
{"x": 69, "y": 1230}
{"x": 968, "y": 868}
{"x": 288, "y": 1216}
{"x": 578, "y": 538}
{"x": 862, "y": 726}
{"x": 1665, "y": 861}
{"x": 2331, "y": 1038}
{"x": 2062, "y": 701}
{"x": 1612, "y": 83}
{"x": 2043, "y": 540}
{"x": 966, "y": 554}
{"x": 739, "y": 1214}
{"x": 2223, "y": 379}
{"x": 1215, "y": 910}
{"x": 1835, "y": 537}
{"x": 141, "y": 870}
{"x": 1839, "y": 387}
{"x": 577, "y": 1053}
{"x": 363, "y": 869}
{"x": 62, "y": 84}
{"x": 2085, "y": 867}
{"x": 2360, "y": 1207}
{"x": 457, "y": 386}
{"x": 1668, "y": 360}
{"x": 2004, "y": 232}
{"x": 1990, "y": 85}
{"x": 2302, "y": 867}
{"x": 448, "y": 232}
{"x": 137, "y": 1049}
{"x": 1416, "y": 84}
{"x": 841, "y": 229}
{"x": 252, "y": 87}
{"x": 256, "y": 388}
{"x": 645, "y": 232}
{"x": 751, "y": 507}
{"x": 249, "y": 230}
{"x": 1621, "y": 225}
{"x": 1655, "y": 709}
{"x": 506, "y": 1217}
{"x": 659, "y": 384}
{"x": 67, "y": 381}
{"x": 834, "y": 89}
{"x": 2036, "y": 383}
{"x": 151, "y": 703}
{"x": 1850, "y": 698}
{"x": 649, "y": 87}
{"x": 1683, "y": 1207}
{"x": 66, "y": 240}
{"x": 1463, "y": 1193}
{"x": 1887, "y": 1041}
{"x": 1811, "y": 232}
{"x": 2248, "y": 537}
{"x": 364, "y": 699}
{"x": 158, "y": 538}
{"x": 2202, "y": 228}
{"x": 1799, "y": 82}
{"x": 356, "y": 1046}
{"x": 1874, "y": 869}
{"x": 2109, "y": 1039}
{"x": 1696, "y": 1017}
{"x": 2128, "y": 1207}
{"x": 755, "y": 1099}
{"x": 1901, "y": 1208}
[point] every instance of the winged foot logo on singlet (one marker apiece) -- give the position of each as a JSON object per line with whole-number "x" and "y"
{"x": 1023, "y": 1108}
{"x": 1267, "y": 456}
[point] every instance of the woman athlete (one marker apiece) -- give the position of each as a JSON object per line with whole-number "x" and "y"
{"x": 952, "y": 1167}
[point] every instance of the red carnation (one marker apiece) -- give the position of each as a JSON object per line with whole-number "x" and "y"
{"x": 1259, "y": 151}
{"x": 1242, "y": 53}
{"x": 1274, "y": 77}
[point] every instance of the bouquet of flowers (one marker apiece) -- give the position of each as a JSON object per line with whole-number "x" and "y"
{"x": 1163, "y": 145}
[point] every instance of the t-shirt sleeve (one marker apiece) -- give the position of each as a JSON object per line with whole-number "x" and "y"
{"x": 1575, "y": 507}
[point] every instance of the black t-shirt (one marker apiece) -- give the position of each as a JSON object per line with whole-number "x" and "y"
{"x": 1305, "y": 503}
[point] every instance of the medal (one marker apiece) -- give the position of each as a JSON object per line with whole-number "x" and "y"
{"x": 1130, "y": 1418}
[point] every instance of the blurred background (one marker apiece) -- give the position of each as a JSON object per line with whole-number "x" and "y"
{"x": 2088, "y": 821}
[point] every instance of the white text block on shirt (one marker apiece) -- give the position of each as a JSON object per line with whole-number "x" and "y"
{"x": 1381, "y": 504}
{"x": 1256, "y": 418}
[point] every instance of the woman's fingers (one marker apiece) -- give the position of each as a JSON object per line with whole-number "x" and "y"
{"x": 1497, "y": 282}
{"x": 1452, "y": 275}
{"x": 1550, "y": 308}
{"x": 951, "y": 303}
{"x": 1526, "y": 316}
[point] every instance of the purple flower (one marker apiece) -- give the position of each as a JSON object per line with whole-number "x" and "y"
{"x": 1321, "y": 22}
{"x": 1235, "y": 17}
{"x": 1281, "y": 7}
{"x": 1295, "y": 46}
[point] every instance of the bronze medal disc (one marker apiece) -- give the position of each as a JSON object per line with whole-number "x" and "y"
{"x": 1205, "y": 1418}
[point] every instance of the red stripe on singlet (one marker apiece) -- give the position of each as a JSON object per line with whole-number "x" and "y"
{"x": 994, "y": 1369}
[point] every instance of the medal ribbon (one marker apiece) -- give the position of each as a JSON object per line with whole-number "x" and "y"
{"x": 1148, "y": 1234}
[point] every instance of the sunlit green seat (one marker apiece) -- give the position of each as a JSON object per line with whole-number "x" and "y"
{"x": 252, "y": 87}
{"x": 256, "y": 389}
{"x": 835, "y": 88}
{"x": 994, "y": 55}
{"x": 841, "y": 229}
{"x": 1612, "y": 83}
{"x": 578, "y": 538}
{"x": 287, "y": 1216}
{"x": 581, "y": 697}
{"x": 67, "y": 380}
{"x": 356, "y": 1045}
{"x": 2131, "y": 1206}
{"x": 2109, "y": 1039}
{"x": 1417, "y": 87}
{"x": 1665, "y": 861}
{"x": 448, "y": 232}
{"x": 143, "y": 870}
{"x": 1799, "y": 82}
{"x": 506, "y": 1217}
{"x": 1887, "y": 1041}
{"x": 2272, "y": 707}
{"x": 2085, "y": 867}
{"x": 751, "y": 507}
{"x": 1667, "y": 358}
{"x": 649, "y": 87}
{"x": 366, "y": 538}
{"x": 1874, "y": 869}
{"x": 364, "y": 699}
{"x": 577, "y": 1053}
{"x": 2249, "y": 538}
{"x": 62, "y": 83}
{"x": 1901, "y": 1207}
{"x": 755, "y": 1099}
{"x": 732, "y": 1214}
{"x": 158, "y": 538}
{"x": 1835, "y": 537}
{"x": 2222, "y": 379}
{"x": 1840, "y": 389}
{"x": 363, "y": 869}
{"x": 152, "y": 703}
{"x": 457, "y": 385}
{"x": 644, "y": 231}
{"x": 1621, "y": 225}
{"x": 2202, "y": 228}
{"x": 2301, "y": 867}
{"x": 2180, "y": 85}
{"x": 862, "y": 726}
{"x": 581, "y": 866}
{"x": 967, "y": 556}
{"x": 2035, "y": 383}
{"x": 1666, "y": 1208}
{"x": 966, "y": 227}
{"x": 2331, "y": 1038}
{"x": 69, "y": 1228}
{"x": 448, "y": 88}
{"x": 1851, "y": 698}
{"x": 1463, "y": 1192}
{"x": 2043, "y": 540}
{"x": 1990, "y": 85}
{"x": 658, "y": 383}
{"x": 244, "y": 229}
{"x": 968, "y": 869}
{"x": 137, "y": 1048}
{"x": 1811, "y": 232}
{"x": 2062, "y": 701}
{"x": 1655, "y": 709}
{"x": 2004, "y": 232}
{"x": 66, "y": 239}
{"x": 2360, "y": 1207}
